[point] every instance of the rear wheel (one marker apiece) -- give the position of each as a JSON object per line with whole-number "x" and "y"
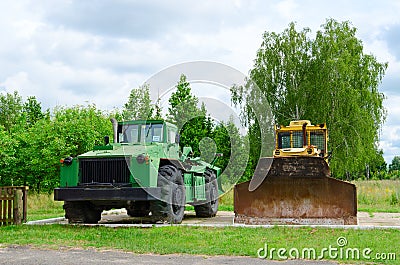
{"x": 171, "y": 206}
{"x": 210, "y": 208}
{"x": 81, "y": 212}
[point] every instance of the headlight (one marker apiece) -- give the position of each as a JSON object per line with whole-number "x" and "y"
{"x": 67, "y": 161}
{"x": 140, "y": 158}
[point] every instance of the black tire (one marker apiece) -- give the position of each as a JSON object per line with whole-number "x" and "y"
{"x": 81, "y": 212}
{"x": 138, "y": 209}
{"x": 210, "y": 208}
{"x": 171, "y": 206}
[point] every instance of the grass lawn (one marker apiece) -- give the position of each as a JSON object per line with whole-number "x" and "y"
{"x": 373, "y": 196}
{"x": 205, "y": 240}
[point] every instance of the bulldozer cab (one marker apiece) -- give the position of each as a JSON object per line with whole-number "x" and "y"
{"x": 301, "y": 138}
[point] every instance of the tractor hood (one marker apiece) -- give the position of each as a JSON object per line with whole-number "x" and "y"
{"x": 119, "y": 150}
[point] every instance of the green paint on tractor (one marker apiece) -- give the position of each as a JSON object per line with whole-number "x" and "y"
{"x": 144, "y": 171}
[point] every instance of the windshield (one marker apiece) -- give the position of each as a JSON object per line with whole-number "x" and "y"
{"x": 136, "y": 133}
{"x": 151, "y": 133}
{"x": 290, "y": 140}
{"x": 294, "y": 139}
{"x": 129, "y": 134}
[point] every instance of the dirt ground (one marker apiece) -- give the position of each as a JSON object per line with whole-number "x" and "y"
{"x": 379, "y": 219}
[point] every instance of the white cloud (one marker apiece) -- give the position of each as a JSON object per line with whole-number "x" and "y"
{"x": 287, "y": 9}
{"x": 16, "y": 82}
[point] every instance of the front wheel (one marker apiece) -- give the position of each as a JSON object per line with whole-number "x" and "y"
{"x": 171, "y": 206}
{"x": 138, "y": 209}
{"x": 81, "y": 212}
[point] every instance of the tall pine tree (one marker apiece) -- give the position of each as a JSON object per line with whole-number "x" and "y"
{"x": 192, "y": 121}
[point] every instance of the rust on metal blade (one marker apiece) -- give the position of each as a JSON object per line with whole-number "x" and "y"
{"x": 299, "y": 167}
{"x": 297, "y": 192}
{"x": 261, "y": 172}
{"x": 292, "y": 167}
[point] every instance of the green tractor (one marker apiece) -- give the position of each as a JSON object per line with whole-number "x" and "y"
{"x": 144, "y": 171}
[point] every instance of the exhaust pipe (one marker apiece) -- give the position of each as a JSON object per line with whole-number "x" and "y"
{"x": 115, "y": 129}
{"x": 304, "y": 135}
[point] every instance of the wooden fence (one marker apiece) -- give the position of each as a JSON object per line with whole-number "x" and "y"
{"x": 13, "y": 205}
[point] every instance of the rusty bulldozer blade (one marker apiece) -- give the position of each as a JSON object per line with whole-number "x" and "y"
{"x": 295, "y": 190}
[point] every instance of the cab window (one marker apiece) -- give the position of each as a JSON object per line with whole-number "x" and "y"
{"x": 317, "y": 138}
{"x": 283, "y": 140}
{"x": 171, "y": 134}
{"x": 151, "y": 133}
{"x": 129, "y": 134}
{"x": 297, "y": 139}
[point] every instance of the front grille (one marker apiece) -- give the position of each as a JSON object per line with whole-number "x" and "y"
{"x": 104, "y": 170}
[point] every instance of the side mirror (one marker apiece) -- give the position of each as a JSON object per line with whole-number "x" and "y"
{"x": 106, "y": 140}
{"x": 177, "y": 138}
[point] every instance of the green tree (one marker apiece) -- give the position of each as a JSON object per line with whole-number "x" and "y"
{"x": 192, "y": 122}
{"x": 183, "y": 104}
{"x": 353, "y": 105}
{"x": 82, "y": 127}
{"x": 232, "y": 145}
{"x": 69, "y": 132}
{"x": 328, "y": 79}
{"x": 395, "y": 165}
{"x": 40, "y": 150}
{"x": 194, "y": 130}
{"x": 10, "y": 110}
{"x": 158, "y": 111}
{"x": 208, "y": 149}
{"x": 32, "y": 109}
{"x": 8, "y": 148}
{"x": 139, "y": 105}
{"x": 377, "y": 167}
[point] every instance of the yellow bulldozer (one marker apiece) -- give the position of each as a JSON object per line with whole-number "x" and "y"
{"x": 294, "y": 186}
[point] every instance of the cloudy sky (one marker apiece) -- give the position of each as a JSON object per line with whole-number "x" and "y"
{"x": 68, "y": 52}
